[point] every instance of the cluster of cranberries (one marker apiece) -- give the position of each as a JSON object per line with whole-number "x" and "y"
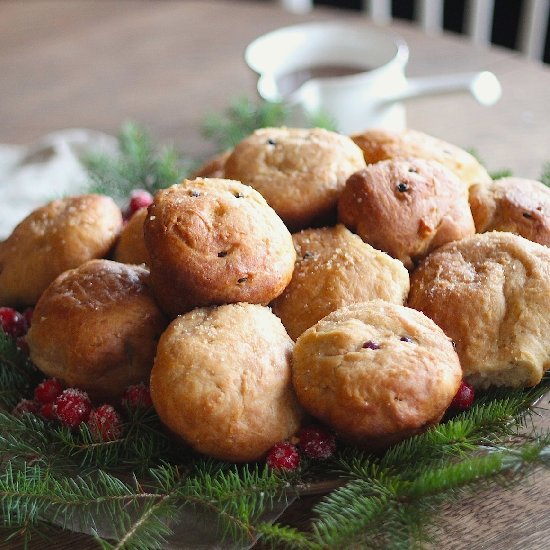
{"x": 72, "y": 407}
{"x": 16, "y": 324}
{"x": 314, "y": 442}
{"x": 318, "y": 443}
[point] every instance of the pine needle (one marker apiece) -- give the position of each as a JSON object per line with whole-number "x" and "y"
{"x": 139, "y": 165}
{"x": 243, "y": 116}
{"x": 17, "y": 374}
{"x": 545, "y": 176}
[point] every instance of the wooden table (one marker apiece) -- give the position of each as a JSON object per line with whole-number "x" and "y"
{"x": 95, "y": 64}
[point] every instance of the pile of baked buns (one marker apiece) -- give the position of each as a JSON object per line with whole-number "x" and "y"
{"x": 356, "y": 280}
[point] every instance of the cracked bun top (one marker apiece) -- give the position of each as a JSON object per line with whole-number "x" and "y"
{"x": 222, "y": 381}
{"x": 491, "y": 294}
{"x": 300, "y": 172}
{"x": 335, "y": 268}
{"x": 58, "y": 236}
{"x": 406, "y": 207}
{"x": 378, "y": 144}
{"x": 96, "y": 327}
{"x": 215, "y": 241}
{"x": 516, "y": 205}
{"x": 376, "y": 372}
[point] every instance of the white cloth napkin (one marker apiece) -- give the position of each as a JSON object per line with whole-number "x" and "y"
{"x": 31, "y": 175}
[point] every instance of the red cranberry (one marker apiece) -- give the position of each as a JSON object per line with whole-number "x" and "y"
{"x": 464, "y": 397}
{"x": 12, "y": 322}
{"x": 137, "y": 396}
{"x": 27, "y": 313}
{"x": 26, "y": 406}
{"x": 73, "y": 407}
{"x": 371, "y": 345}
{"x": 48, "y": 390}
{"x": 48, "y": 412}
{"x": 105, "y": 424}
{"x": 283, "y": 456}
{"x": 139, "y": 198}
{"x": 317, "y": 442}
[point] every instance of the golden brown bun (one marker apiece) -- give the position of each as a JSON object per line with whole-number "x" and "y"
{"x": 96, "y": 327}
{"x": 222, "y": 381}
{"x": 406, "y": 207}
{"x": 215, "y": 241}
{"x": 381, "y": 144}
{"x": 375, "y": 397}
{"x": 491, "y": 294}
{"x": 212, "y": 168}
{"x": 299, "y": 172}
{"x": 515, "y": 205}
{"x": 335, "y": 268}
{"x": 56, "y": 237}
{"x": 130, "y": 248}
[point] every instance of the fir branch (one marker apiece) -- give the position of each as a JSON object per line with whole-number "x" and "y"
{"x": 32, "y": 495}
{"x": 545, "y": 176}
{"x": 502, "y": 173}
{"x": 144, "y": 443}
{"x": 240, "y": 119}
{"x": 389, "y": 511}
{"x": 239, "y": 496}
{"x": 495, "y": 174}
{"x": 17, "y": 374}
{"x": 243, "y": 116}
{"x": 280, "y": 535}
{"x": 139, "y": 165}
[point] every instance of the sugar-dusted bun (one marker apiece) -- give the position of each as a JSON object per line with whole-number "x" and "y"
{"x": 406, "y": 207}
{"x": 222, "y": 381}
{"x": 378, "y": 144}
{"x": 335, "y": 268}
{"x": 491, "y": 294}
{"x": 130, "y": 248}
{"x": 96, "y": 327}
{"x": 59, "y": 236}
{"x": 376, "y": 372}
{"x": 216, "y": 241}
{"x": 516, "y": 205}
{"x": 299, "y": 172}
{"x": 212, "y": 168}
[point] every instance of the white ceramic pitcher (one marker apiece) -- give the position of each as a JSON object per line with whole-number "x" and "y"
{"x": 372, "y": 96}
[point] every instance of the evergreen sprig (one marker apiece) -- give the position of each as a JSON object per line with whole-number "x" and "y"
{"x": 240, "y": 119}
{"x": 387, "y": 501}
{"x": 545, "y": 176}
{"x": 139, "y": 165}
{"x": 243, "y": 116}
{"x": 17, "y": 374}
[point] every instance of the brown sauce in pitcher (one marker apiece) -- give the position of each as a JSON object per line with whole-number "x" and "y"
{"x": 290, "y": 82}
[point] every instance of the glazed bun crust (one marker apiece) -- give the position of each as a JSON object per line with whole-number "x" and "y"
{"x": 378, "y": 144}
{"x": 491, "y": 294}
{"x": 335, "y": 268}
{"x": 406, "y": 207}
{"x": 215, "y": 241}
{"x": 130, "y": 248}
{"x": 96, "y": 327}
{"x": 222, "y": 381}
{"x": 516, "y": 205}
{"x": 355, "y": 371}
{"x": 59, "y": 236}
{"x": 299, "y": 172}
